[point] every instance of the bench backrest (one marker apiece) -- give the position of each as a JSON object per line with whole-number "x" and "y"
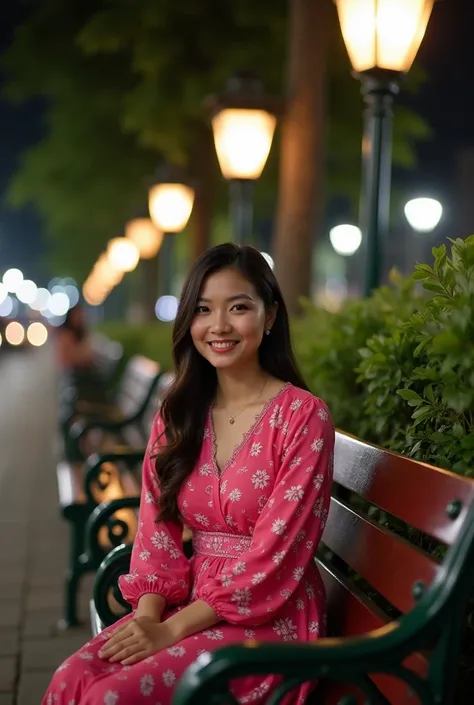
{"x": 383, "y": 549}
{"x": 138, "y": 384}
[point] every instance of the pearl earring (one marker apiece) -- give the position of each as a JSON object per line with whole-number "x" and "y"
{"x": 268, "y": 331}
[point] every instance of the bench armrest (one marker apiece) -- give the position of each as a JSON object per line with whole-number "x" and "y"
{"x": 338, "y": 659}
{"x": 115, "y": 564}
{"x": 99, "y": 518}
{"x": 80, "y": 429}
{"x": 94, "y": 463}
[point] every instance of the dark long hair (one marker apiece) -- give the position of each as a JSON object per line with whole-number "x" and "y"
{"x": 187, "y": 402}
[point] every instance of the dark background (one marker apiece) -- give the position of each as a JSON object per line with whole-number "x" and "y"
{"x": 446, "y": 101}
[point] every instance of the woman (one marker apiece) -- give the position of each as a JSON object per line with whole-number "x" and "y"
{"x": 242, "y": 453}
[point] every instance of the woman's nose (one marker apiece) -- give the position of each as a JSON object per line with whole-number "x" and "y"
{"x": 220, "y": 323}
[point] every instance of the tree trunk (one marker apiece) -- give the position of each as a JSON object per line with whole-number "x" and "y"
{"x": 204, "y": 171}
{"x": 301, "y": 198}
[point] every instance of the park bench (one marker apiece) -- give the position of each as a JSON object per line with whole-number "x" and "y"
{"x": 395, "y": 610}
{"x": 81, "y": 391}
{"x": 113, "y": 473}
{"x": 123, "y": 421}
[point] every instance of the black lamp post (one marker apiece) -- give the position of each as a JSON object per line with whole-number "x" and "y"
{"x": 382, "y": 38}
{"x": 243, "y": 122}
{"x": 170, "y": 202}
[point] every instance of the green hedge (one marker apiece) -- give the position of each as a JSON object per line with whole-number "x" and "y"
{"x": 396, "y": 369}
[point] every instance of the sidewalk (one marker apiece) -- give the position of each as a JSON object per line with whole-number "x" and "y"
{"x": 33, "y": 538}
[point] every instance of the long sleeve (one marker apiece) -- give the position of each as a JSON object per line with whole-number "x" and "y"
{"x": 158, "y": 564}
{"x": 289, "y": 528}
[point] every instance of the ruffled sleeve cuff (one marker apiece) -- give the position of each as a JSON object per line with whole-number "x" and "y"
{"x": 134, "y": 586}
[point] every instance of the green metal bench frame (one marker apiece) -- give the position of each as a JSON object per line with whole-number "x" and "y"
{"x": 79, "y": 430}
{"x": 84, "y": 556}
{"x": 428, "y": 633}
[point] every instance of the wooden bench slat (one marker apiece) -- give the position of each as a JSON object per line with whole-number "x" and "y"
{"x": 353, "y": 614}
{"x": 386, "y": 561}
{"x": 391, "y": 482}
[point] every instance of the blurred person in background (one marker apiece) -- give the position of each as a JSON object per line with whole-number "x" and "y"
{"x": 80, "y": 381}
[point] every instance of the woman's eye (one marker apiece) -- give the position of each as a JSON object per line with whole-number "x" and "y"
{"x": 240, "y": 307}
{"x": 202, "y": 309}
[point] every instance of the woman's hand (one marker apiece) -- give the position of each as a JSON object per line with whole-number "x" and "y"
{"x": 136, "y": 640}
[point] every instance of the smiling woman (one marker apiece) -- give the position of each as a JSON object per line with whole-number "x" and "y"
{"x": 242, "y": 453}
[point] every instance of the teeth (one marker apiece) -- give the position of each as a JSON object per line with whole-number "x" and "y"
{"x": 222, "y": 346}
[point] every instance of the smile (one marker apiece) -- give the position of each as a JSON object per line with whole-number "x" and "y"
{"x": 221, "y": 346}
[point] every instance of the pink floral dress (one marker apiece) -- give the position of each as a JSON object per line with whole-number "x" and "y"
{"x": 255, "y": 527}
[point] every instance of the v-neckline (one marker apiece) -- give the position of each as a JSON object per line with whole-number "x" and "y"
{"x": 237, "y": 448}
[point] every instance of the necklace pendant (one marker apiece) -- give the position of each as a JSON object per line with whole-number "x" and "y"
{"x": 231, "y": 420}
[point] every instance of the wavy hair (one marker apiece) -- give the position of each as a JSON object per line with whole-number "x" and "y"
{"x": 186, "y": 405}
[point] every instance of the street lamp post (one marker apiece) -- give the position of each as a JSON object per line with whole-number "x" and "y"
{"x": 382, "y": 38}
{"x": 170, "y": 202}
{"x": 243, "y": 123}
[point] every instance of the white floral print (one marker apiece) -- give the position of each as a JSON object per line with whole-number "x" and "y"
{"x": 286, "y": 629}
{"x": 256, "y": 567}
{"x": 260, "y": 479}
{"x": 295, "y": 493}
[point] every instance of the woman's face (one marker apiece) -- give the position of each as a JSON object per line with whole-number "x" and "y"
{"x": 230, "y": 320}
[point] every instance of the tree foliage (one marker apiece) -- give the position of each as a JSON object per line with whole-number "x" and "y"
{"x": 123, "y": 85}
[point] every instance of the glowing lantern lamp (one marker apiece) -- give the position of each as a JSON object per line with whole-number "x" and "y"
{"x": 123, "y": 254}
{"x": 382, "y": 39}
{"x": 170, "y": 202}
{"x": 243, "y": 122}
{"x": 145, "y": 235}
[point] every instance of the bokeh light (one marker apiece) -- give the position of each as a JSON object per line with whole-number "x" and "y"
{"x": 268, "y": 259}
{"x": 41, "y": 300}
{"x": 166, "y": 308}
{"x": 345, "y": 239}
{"x": 37, "y": 334}
{"x": 12, "y": 279}
{"x": 59, "y": 303}
{"x": 423, "y": 214}
{"x": 6, "y": 307}
{"x": 26, "y": 291}
{"x": 15, "y": 333}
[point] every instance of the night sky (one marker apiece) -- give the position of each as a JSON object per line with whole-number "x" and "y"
{"x": 447, "y": 102}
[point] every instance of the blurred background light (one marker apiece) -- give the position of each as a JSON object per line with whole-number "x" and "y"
{"x": 15, "y": 333}
{"x": 37, "y": 334}
{"x": 26, "y": 291}
{"x": 345, "y": 239}
{"x": 269, "y": 259}
{"x": 166, "y": 308}
{"x": 423, "y": 214}
{"x": 6, "y": 307}
{"x": 59, "y": 303}
{"x": 12, "y": 279}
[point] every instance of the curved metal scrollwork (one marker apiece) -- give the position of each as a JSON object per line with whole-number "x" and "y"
{"x": 119, "y": 530}
{"x": 117, "y": 563}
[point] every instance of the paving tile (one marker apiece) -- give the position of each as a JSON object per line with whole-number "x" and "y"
{"x": 33, "y": 687}
{"x": 10, "y": 613}
{"x": 7, "y": 699}
{"x": 8, "y": 665}
{"x": 10, "y": 591}
{"x": 9, "y": 642}
{"x": 41, "y": 624}
{"x": 41, "y": 654}
{"x": 41, "y": 598}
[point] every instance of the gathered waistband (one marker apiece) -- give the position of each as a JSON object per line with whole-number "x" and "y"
{"x": 220, "y": 544}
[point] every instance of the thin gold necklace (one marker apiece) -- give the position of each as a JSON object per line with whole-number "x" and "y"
{"x": 232, "y": 418}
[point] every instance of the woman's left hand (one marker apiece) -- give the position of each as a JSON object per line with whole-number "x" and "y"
{"x": 136, "y": 640}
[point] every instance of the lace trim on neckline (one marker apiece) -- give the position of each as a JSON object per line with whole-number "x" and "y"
{"x": 245, "y": 437}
